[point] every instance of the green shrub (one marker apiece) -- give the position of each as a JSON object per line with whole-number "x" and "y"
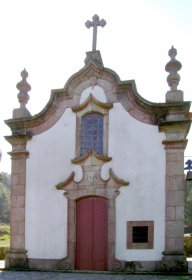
{"x": 188, "y": 245}
{"x": 3, "y": 251}
{"x": 4, "y": 235}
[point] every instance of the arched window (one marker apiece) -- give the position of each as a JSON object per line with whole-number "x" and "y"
{"x": 92, "y": 133}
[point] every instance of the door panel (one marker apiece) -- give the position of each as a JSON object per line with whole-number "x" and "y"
{"x": 92, "y": 233}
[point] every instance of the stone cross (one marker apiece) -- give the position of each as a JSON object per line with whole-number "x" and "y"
{"x": 95, "y": 23}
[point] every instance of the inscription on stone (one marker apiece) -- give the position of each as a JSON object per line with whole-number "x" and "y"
{"x": 91, "y": 178}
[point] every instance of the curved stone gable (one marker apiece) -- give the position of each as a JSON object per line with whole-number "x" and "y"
{"x": 94, "y": 73}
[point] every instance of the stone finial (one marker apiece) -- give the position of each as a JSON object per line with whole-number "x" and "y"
{"x": 23, "y": 97}
{"x": 23, "y": 88}
{"x": 172, "y": 67}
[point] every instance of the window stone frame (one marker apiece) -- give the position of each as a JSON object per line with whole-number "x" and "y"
{"x": 92, "y": 105}
{"x": 143, "y": 245}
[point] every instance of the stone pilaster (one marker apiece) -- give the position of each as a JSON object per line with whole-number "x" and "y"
{"x": 16, "y": 257}
{"x": 174, "y": 220}
{"x": 176, "y": 127}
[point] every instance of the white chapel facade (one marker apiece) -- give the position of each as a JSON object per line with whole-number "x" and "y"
{"x": 85, "y": 192}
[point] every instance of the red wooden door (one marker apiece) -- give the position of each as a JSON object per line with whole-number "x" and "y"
{"x": 92, "y": 233}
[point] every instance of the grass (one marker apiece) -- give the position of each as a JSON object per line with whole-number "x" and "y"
{"x": 4, "y": 235}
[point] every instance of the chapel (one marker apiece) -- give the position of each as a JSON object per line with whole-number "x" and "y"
{"x": 85, "y": 192}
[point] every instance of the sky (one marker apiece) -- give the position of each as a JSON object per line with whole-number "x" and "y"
{"x": 50, "y": 40}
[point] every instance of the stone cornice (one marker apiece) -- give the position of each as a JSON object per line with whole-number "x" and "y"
{"x": 18, "y": 139}
{"x": 144, "y": 110}
{"x": 173, "y": 126}
{"x": 19, "y": 154}
{"x": 189, "y": 116}
{"x": 175, "y": 144}
{"x": 49, "y": 111}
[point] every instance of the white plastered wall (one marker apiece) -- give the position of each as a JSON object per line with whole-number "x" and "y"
{"x": 49, "y": 163}
{"x": 138, "y": 157}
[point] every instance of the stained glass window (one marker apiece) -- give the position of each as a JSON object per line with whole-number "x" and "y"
{"x": 92, "y": 133}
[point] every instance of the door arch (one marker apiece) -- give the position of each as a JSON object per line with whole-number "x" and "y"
{"x": 92, "y": 233}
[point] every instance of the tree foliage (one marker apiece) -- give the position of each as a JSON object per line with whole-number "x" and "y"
{"x": 6, "y": 179}
{"x": 188, "y": 203}
{"x": 4, "y": 197}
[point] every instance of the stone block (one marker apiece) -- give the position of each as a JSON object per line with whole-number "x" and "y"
{"x": 19, "y": 165}
{"x": 13, "y": 190}
{"x": 91, "y": 178}
{"x": 111, "y": 232}
{"x": 72, "y": 235}
{"x": 111, "y": 250}
{"x": 175, "y": 198}
{"x": 71, "y": 203}
{"x": 180, "y": 213}
{"x": 21, "y": 228}
{"x": 43, "y": 264}
{"x": 101, "y": 192}
{"x": 174, "y": 245}
{"x": 18, "y": 179}
{"x": 20, "y": 202}
{"x": 175, "y": 168}
{"x": 88, "y": 161}
{"x": 179, "y": 244}
{"x": 141, "y": 266}
{"x": 71, "y": 216}
{"x": 17, "y": 214}
{"x": 71, "y": 251}
{"x": 21, "y": 113}
{"x": 171, "y": 157}
{"x": 175, "y": 182}
{"x": 111, "y": 217}
{"x": 173, "y": 263}
{"x": 111, "y": 203}
{"x": 20, "y": 190}
{"x": 174, "y": 229}
{"x": 18, "y": 242}
{"x": 170, "y": 213}
{"x": 170, "y": 244}
{"x": 87, "y": 169}
{"x": 174, "y": 96}
{"x": 13, "y": 201}
{"x": 16, "y": 259}
{"x": 14, "y": 228}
